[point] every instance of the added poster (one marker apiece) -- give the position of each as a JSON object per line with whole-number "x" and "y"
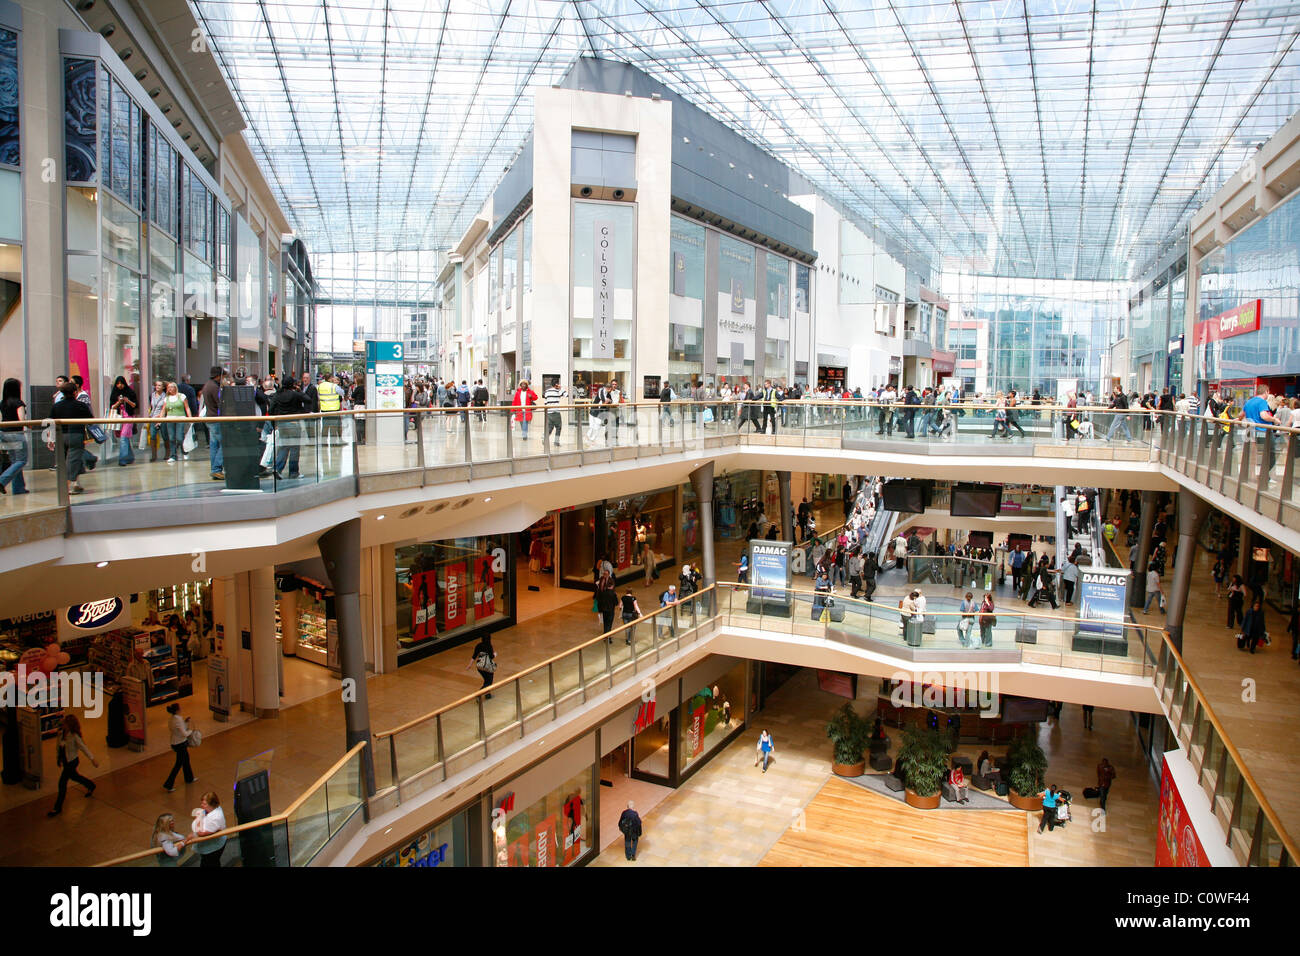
{"x": 453, "y": 587}
{"x": 424, "y": 599}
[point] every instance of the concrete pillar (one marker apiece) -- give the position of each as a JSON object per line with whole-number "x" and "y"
{"x": 42, "y": 111}
{"x": 1191, "y": 515}
{"x": 1062, "y": 538}
{"x": 340, "y": 549}
{"x": 241, "y": 655}
{"x": 787, "y": 512}
{"x": 1138, "y": 584}
{"x": 289, "y": 623}
{"x": 225, "y": 629}
{"x": 264, "y": 659}
{"x": 702, "y": 482}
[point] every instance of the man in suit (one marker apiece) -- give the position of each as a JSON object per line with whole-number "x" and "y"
{"x": 309, "y": 393}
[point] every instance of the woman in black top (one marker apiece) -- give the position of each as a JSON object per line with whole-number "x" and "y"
{"x": 288, "y": 435}
{"x": 13, "y": 441}
{"x": 485, "y": 661}
{"x": 122, "y": 400}
{"x": 607, "y": 604}
{"x": 631, "y": 611}
{"x": 359, "y": 402}
{"x": 1252, "y": 625}
{"x": 1236, "y": 600}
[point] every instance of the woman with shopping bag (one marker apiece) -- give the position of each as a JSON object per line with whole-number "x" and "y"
{"x": 122, "y": 402}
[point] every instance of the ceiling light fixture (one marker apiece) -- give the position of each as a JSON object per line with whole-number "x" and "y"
{"x": 380, "y": 517}
{"x": 102, "y": 564}
{"x": 487, "y": 499}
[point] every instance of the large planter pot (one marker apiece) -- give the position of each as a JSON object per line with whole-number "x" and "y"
{"x": 1032, "y": 804}
{"x": 849, "y": 769}
{"x": 921, "y": 803}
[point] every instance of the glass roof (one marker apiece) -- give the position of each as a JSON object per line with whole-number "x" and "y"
{"x": 1051, "y": 138}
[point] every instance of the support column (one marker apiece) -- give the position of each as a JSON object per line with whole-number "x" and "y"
{"x": 1138, "y": 584}
{"x": 265, "y": 654}
{"x": 1062, "y": 537}
{"x": 241, "y": 643}
{"x": 787, "y": 512}
{"x": 223, "y": 638}
{"x": 340, "y": 549}
{"x": 1191, "y": 515}
{"x": 702, "y": 482}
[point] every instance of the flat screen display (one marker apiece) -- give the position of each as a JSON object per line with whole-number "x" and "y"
{"x": 976, "y": 501}
{"x": 906, "y": 497}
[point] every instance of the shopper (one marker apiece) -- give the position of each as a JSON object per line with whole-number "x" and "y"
{"x": 1069, "y": 577}
{"x": 1105, "y": 777}
{"x": 524, "y": 399}
{"x": 1236, "y": 600}
{"x": 122, "y": 403}
{"x": 987, "y": 620}
{"x": 166, "y": 837}
{"x": 742, "y": 566}
{"x": 210, "y": 409}
{"x": 607, "y": 604}
{"x": 13, "y": 439}
{"x": 288, "y": 434}
{"x": 765, "y": 750}
{"x": 553, "y": 395}
{"x": 631, "y": 611}
{"x": 1253, "y": 626}
{"x": 179, "y": 729}
{"x": 484, "y": 660}
{"x": 1087, "y": 716}
{"x": 74, "y": 435}
{"x": 68, "y": 749}
{"x": 210, "y": 822}
{"x": 1049, "y": 809}
{"x": 969, "y": 606}
{"x": 1154, "y": 593}
{"x": 629, "y": 824}
{"x": 957, "y": 780}
{"x": 173, "y": 430}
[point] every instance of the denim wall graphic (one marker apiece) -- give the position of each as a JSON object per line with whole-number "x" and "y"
{"x": 9, "y": 151}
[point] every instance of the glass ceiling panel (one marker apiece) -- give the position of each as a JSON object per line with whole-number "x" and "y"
{"x": 1039, "y": 137}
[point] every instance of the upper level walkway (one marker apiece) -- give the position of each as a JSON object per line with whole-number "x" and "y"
{"x": 471, "y": 472}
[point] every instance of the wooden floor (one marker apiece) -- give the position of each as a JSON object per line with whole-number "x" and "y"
{"x": 845, "y": 825}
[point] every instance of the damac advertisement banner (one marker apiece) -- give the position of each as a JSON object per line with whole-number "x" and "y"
{"x": 424, "y": 599}
{"x": 453, "y": 596}
{"x": 1177, "y": 843}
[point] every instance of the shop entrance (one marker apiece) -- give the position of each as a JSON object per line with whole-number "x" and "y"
{"x": 535, "y": 562}
{"x": 833, "y": 375}
{"x": 618, "y": 787}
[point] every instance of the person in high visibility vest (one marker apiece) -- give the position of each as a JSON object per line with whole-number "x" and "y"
{"x": 331, "y": 400}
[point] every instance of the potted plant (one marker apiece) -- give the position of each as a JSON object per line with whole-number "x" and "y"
{"x": 850, "y": 733}
{"x": 1028, "y": 773}
{"x": 924, "y": 757}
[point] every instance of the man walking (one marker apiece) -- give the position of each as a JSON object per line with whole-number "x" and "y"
{"x": 554, "y": 418}
{"x": 1119, "y": 403}
{"x": 211, "y": 397}
{"x": 769, "y": 408}
{"x": 629, "y": 824}
{"x": 1105, "y": 777}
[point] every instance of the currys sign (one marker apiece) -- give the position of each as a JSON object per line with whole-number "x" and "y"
{"x": 1238, "y": 321}
{"x": 93, "y": 616}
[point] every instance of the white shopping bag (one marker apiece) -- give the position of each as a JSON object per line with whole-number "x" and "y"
{"x": 346, "y": 432}
{"x": 268, "y": 455}
{"x": 188, "y": 444}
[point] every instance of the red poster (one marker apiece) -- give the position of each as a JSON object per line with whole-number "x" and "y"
{"x": 1176, "y": 841}
{"x": 697, "y": 730}
{"x": 79, "y": 359}
{"x": 453, "y": 596}
{"x": 424, "y": 598}
{"x": 519, "y": 851}
{"x": 544, "y": 844}
{"x": 624, "y": 545}
{"x": 485, "y": 588}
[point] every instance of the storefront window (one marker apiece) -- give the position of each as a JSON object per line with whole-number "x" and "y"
{"x": 627, "y": 532}
{"x": 248, "y": 271}
{"x": 509, "y": 264}
{"x": 651, "y": 751}
{"x": 602, "y": 338}
{"x": 121, "y": 231}
{"x": 776, "y": 345}
{"x": 554, "y": 831}
{"x": 709, "y": 715}
{"x": 690, "y": 523}
{"x": 449, "y": 589}
{"x": 162, "y": 305}
{"x": 686, "y": 302}
{"x": 736, "y": 310}
{"x": 442, "y": 845}
{"x": 121, "y": 337}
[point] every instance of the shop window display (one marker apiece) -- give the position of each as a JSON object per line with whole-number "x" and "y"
{"x": 554, "y": 831}
{"x": 442, "y": 845}
{"x": 622, "y": 531}
{"x": 450, "y": 589}
{"x": 710, "y": 715}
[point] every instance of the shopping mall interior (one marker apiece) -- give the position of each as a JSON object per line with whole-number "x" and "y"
{"x": 896, "y": 526}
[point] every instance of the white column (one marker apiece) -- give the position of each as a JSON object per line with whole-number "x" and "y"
{"x": 241, "y": 658}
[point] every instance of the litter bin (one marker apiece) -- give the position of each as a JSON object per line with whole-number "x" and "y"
{"x": 912, "y": 632}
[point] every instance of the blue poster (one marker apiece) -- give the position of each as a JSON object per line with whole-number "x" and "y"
{"x": 769, "y": 572}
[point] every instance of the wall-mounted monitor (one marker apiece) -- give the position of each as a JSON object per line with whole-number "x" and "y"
{"x": 976, "y": 501}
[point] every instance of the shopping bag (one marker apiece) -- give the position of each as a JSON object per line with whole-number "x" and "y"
{"x": 346, "y": 432}
{"x": 708, "y": 415}
{"x": 97, "y": 433}
{"x": 268, "y": 455}
{"x": 143, "y": 443}
{"x": 188, "y": 443}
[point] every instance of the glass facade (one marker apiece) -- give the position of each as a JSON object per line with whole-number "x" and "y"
{"x": 1260, "y": 262}
{"x": 250, "y": 296}
{"x": 776, "y": 343}
{"x": 736, "y": 310}
{"x": 686, "y": 303}
{"x": 1040, "y": 331}
{"x": 621, "y": 530}
{"x": 448, "y": 591}
{"x": 555, "y": 830}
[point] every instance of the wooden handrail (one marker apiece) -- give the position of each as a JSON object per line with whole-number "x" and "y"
{"x": 282, "y": 817}
{"x": 1292, "y": 850}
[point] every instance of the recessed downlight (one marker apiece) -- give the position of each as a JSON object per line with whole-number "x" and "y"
{"x": 487, "y": 499}
{"x": 102, "y": 564}
{"x": 380, "y": 517}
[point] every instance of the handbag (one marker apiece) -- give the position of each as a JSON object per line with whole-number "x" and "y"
{"x": 97, "y": 433}
{"x": 485, "y": 663}
{"x": 195, "y": 739}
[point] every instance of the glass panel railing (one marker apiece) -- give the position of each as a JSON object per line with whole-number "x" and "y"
{"x": 27, "y": 473}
